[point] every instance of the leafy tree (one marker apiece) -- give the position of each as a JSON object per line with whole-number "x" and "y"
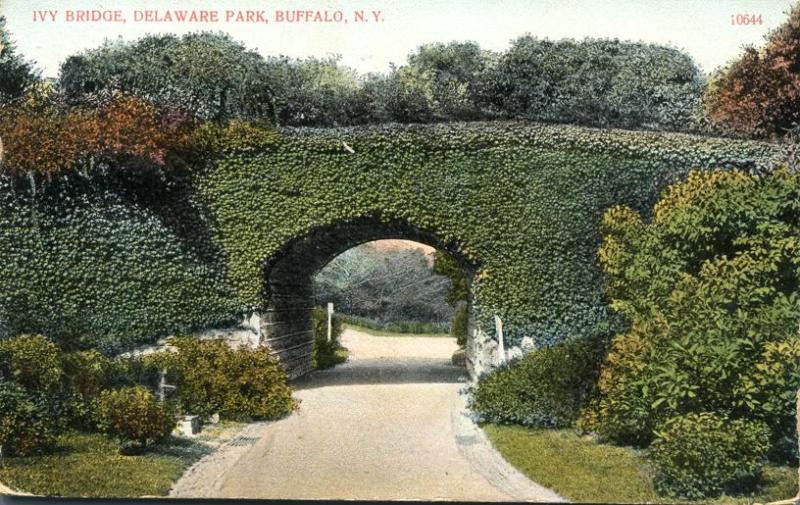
{"x": 41, "y": 139}
{"x": 315, "y": 92}
{"x": 595, "y": 82}
{"x": 710, "y": 289}
{"x": 385, "y": 285}
{"x": 16, "y": 74}
{"x": 210, "y": 75}
{"x": 759, "y": 93}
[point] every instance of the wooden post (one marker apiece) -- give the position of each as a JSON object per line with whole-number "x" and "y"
{"x": 501, "y": 346}
{"x": 330, "y": 320}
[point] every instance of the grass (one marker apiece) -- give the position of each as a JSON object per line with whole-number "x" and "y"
{"x": 394, "y": 328}
{"x": 339, "y": 355}
{"x": 89, "y": 465}
{"x": 582, "y": 470}
{"x": 387, "y": 333}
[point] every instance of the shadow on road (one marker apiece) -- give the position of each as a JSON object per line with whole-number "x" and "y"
{"x": 384, "y": 371}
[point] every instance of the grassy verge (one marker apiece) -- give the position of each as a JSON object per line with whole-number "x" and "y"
{"x": 89, "y": 465}
{"x": 388, "y": 333}
{"x": 397, "y": 327}
{"x": 584, "y": 471}
{"x": 339, "y": 355}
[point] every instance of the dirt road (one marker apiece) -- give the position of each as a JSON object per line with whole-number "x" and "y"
{"x": 385, "y": 425}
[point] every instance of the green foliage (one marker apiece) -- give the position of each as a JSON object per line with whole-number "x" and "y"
{"x": 32, "y": 361}
{"x": 460, "y": 326}
{"x": 89, "y": 465}
{"x": 444, "y": 264}
{"x": 16, "y": 74}
{"x": 393, "y": 327}
{"x": 206, "y": 74}
{"x": 106, "y": 263}
{"x": 94, "y": 265}
{"x": 595, "y": 82}
{"x": 315, "y": 92}
{"x": 325, "y": 355}
{"x": 537, "y": 256}
{"x": 238, "y": 384}
{"x": 584, "y": 471}
{"x": 25, "y": 427}
{"x": 700, "y": 455}
{"x": 545, "y": 388}
{"x": 710, "y": 288}
{"x": 87, "y": 373}
{"x": 135, "y": 417}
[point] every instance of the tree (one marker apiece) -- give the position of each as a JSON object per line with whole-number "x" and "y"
{"x": 315, "y": 92}
{"x": 759, "y": 93}
{"x": 594, "y": 82}
{"x": 210, "y": 75}
{"x": 449, "y": 74}
{"x": 385, "y": 285}
{"x": 16, "y": 74}
{"x": 710, "y": 289}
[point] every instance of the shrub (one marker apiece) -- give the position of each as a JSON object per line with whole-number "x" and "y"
{"x": 213, "y": 378}
{"x": 86, "y": 373}
{"x": 710, "y": 291}
{"x": 25, "y": 428}
{"x": 545, "y": 388}
{"x": 700, "y": 455}
{"x": 32, "y": 361}
{"x": 135, "y": 417}
{"x": 325, "y": 355}
{"x": 460, "y": 326}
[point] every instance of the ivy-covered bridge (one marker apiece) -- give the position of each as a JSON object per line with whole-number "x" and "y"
{"x": 108, "y": 262}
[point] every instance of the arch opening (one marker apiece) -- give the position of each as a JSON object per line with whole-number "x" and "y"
{"x": 286, "y": 317}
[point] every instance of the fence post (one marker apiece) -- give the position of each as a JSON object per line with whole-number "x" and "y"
{"x": 501, "y": 346}
{"x": 330, "y": 320}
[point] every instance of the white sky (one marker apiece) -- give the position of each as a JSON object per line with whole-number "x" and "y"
{"x": 701, "y": 27}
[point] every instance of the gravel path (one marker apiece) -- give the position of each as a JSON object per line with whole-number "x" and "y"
{"x": 388, "y": 424}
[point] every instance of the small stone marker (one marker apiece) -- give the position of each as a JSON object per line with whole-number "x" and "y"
{"x": 188, "y": 426}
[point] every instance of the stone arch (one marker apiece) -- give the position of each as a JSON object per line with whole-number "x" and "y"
{"x": 286, "y": 323}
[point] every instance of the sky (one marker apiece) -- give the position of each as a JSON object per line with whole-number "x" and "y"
{"x": 703, "y": 28}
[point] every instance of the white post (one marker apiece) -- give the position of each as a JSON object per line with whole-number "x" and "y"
{"x": 501, "y": 347}
{"x": 330, "y": 319}
{"x": 162, "y": 386}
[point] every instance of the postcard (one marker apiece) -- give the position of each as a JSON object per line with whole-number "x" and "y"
{"x": 450, "y": 250}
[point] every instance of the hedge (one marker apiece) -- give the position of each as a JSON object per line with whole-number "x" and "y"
{"x": 108, "y": 261}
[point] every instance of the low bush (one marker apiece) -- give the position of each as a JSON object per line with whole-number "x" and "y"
{"x": 25, "y": 428}
{"x": 325, "y": 355}
{"x": 545, "y": 388}
{"x": 410, "y": 327}
{"x": 32, "y": 361}
{"x": 701, "y": 455}
{"x": 238, "y": 384}
{"x": 135, "y": 417}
